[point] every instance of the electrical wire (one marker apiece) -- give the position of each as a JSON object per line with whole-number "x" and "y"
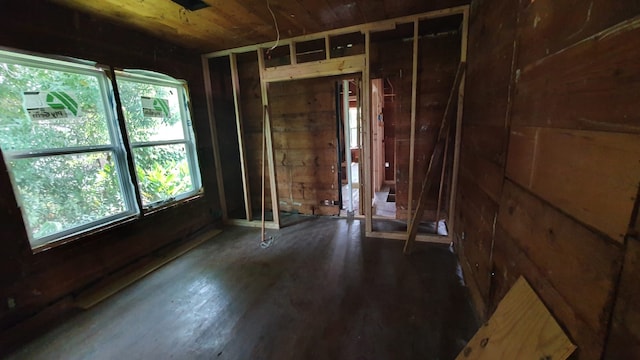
{"x": 276, "y": 24}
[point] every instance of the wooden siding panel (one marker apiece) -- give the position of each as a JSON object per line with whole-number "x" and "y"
{"x": 510, "y": 262}
{"x": 580, "y": 264}
{"x": 591, "y": 175}
{"x": 598, "y": 93}
{"x": 624, "y": 340}
{"x": 549, "y": 26}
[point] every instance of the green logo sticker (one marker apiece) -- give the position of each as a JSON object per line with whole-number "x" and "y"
{"x": 62, "y": 100}
{"x": 46, "y": 105}
{"x": 155, "y": 107}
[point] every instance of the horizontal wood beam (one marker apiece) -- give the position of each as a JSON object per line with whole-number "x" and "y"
{"x": 321, "y": 68}
{"x": 430, "y": 238}
{"x": 256, "y": 223}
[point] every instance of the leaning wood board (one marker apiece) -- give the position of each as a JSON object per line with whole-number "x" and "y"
{"x": 521, "y": 328}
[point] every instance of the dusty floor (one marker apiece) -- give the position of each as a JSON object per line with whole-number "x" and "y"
{"x": 321, "y": 291}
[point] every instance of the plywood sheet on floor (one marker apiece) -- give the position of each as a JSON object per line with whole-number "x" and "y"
{"x": 521, "y": 328}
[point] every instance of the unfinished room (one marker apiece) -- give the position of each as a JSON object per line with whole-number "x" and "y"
{"x": 320, "y": 179}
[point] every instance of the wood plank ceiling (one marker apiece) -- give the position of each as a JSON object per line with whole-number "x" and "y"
{"x": 233, "y": 23}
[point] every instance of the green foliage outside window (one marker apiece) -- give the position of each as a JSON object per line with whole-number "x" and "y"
{"x": 70, "y": 171}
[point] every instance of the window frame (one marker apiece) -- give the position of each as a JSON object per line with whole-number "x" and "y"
{"x": 116, "y": 145}
{"x": 189, "y": 140}
{"x": 119, "y": 145}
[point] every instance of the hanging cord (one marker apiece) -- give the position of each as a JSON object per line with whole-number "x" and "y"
{"x": 264, "y": 242}
{"x": 277, "y": 30}
{"x": 264, "y": 116}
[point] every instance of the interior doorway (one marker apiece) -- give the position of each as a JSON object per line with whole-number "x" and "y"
{"x": 350, "y": 145}
{"x": 384, "y": 195}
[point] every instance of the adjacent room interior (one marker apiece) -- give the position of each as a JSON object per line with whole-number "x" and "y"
{"x": 280, "y": 179}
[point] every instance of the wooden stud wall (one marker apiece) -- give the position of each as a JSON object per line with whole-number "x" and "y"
{"x": 392, "y": 59}
{"x": 224, "y": 112}
{"x": 299, "y": 112}
{"x": 251, "y": 104}
{"x": 438, "y": 62}
{"x": 550, "y": 164}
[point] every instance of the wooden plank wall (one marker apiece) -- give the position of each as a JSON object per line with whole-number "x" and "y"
{"x": 550, "y": 164}
{"x": 225, "y": 116}
{"x": 438, "y": 59}
{"x": 391, "y": 59}
{"x": 252, "y": 112}
{"x": 41, "y": 281}
{"x": 303, "y": 119}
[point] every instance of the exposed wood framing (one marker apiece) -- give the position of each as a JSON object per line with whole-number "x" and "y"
{"x": 351, "y": 65}
{"x": 233, "y": 61}
{"x": 412, "y": 137}
{"x": 214, "y": 136}
{"x": 442, "y": 179}
{"x": 256, "y": 224}
{"x": 438, "y": 150}
{"x": 382, "y": 25}
{"x": 264, "y": 87}
{"x": 431, "y": 238}
{"x": 327, "y": 46}
{"x": 458, "y": 136}
{"x": 366, "y": 135}
{"x": 293, "y": 53}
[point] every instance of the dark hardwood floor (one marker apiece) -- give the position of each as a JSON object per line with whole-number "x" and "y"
{"x": 320, "y": 291}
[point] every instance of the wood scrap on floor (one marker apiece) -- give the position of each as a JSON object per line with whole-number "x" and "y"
{"x": 520, "y": 328}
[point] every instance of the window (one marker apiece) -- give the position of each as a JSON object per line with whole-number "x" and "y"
{"x": 160, "y": 132}
{"x": 62, "y": 144}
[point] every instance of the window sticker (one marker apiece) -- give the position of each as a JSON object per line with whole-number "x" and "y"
{"x": 154, "y": 107}
{"x": 44, "y": 105}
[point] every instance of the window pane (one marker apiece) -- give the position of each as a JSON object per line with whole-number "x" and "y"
{"x": 163, "y": 172}
{"x": 152, "y": 112}
{"x": 63, "y": 192}
{"x": 66, "y": 109}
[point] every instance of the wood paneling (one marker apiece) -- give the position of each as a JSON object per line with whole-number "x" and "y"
{"x": 597, "y": 93}
{"x": 624, "y": 339}
{"x": 489, "y": 71}
{"x": 581, "y": 264}
{"x": 550, "y": 26}
{"x": 475, "y": 226}
{"x": 567, "y": 133}
{"x": 590, "y": 175}
{"x": 510, "y": 262}
{"x": 492, "y": 32}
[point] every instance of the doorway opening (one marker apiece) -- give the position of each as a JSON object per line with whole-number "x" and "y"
{"x": 349, "y": 113}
